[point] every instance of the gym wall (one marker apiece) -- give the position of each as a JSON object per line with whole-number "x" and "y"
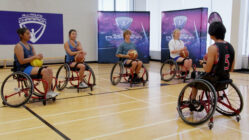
{"x": 77, "y": 14}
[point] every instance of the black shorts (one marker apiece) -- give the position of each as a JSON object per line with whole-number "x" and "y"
{"x": 129, "y": 64}
{"x": 212, "y": 79}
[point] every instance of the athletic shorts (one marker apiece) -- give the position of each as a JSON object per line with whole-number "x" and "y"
{"x": 175, "y": 59}
{"x": 28, "y": 70}
{"x": 129, "y": 65}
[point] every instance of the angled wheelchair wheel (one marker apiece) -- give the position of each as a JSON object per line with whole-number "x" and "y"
{"x": 116, "y": 73}
{"x": 200, "y": 110}
{"x": 168, "y": 70}
{"x": 144, "y": 75}
{"x": 89, "y": 76}
{"x": 16, "y": 89}
{"x": 62, "y": 77}
{"x": 230, "y": 101}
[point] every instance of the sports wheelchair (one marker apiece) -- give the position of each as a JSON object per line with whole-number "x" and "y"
{"x": 67, "y": 74}
{"x": 171, "y": 69}
{"x": 121, "y": 70}
{"x": 18, "y": 88}
{"x": 222, "y": 96}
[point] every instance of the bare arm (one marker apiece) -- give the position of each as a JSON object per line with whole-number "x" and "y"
{"x": 122, "y": 56}
{"x": 178, "y": 51}
{"x": 212, "y": 52}
{"x": 20, "y": 55}
{"x": 68, "y": 50}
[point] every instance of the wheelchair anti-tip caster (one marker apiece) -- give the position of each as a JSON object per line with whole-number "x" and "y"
{"x": 238, "y": 118}
{"x": 210, "y": 125}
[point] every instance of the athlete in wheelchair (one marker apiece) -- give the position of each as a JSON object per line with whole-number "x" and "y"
{"x": 129, "y": 67}
{"x": 180, "y": 65}
{"x": 20, "y": 86}
{"x": 213, "y": 89}
{"x": 79, "y": 74}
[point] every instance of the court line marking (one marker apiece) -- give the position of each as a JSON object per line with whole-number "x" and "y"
{"x": 92, "y": 117}
{"x": 13, "y": 121}
{"x": 179, "y": 133}
{"x": 68, "y": 112}
{"x": 94, "y": 108}
{"x": 130, "y": 97}
{"x": 21, "y": 130}
{"x": 193, "y": 129}
{"x": 114, "y": 113}
{"x": 47, "y": 123}
{"x": 130, "y": 129}
{"x": 237, "y": 130}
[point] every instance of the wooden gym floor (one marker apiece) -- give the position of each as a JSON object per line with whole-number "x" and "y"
{"x": 118, "y": 113}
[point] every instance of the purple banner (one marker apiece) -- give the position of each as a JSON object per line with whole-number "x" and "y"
{"x": 110, "y": 34}
{"x": 45, "y": 28}
{"x": 193, "y": 26}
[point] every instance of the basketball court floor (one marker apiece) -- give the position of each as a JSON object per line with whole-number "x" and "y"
{"x": 118, "y": 112}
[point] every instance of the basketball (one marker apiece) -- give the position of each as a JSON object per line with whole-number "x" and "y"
{"x": 184, "y": 53}
{"x": 133, "y": 54}
{"x": 80, "y": 57}
{"x": 36, "y": 63}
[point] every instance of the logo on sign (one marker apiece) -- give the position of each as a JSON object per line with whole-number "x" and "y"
{"x": 123, "y": 22}
{"x": 35, "y": 23}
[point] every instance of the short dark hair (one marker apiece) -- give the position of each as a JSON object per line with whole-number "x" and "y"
{"x": 217, "y": 29}
{"x": 126, "y": 32}
{"x": 70, "y": 32}
{"x": 21, "y": 31}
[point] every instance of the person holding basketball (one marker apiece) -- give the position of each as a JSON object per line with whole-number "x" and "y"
{"x": 176, "y": 47}
{"x": 24, "y": 54}
{"x": 219, "y": 60}
{"x": 127, "y": 51}
{"x": 75, "y": 56}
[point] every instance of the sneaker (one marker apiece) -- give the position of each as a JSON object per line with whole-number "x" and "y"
{"x": 54, "y": 94}
{"x": 83, "y": 85}
{"x": 51, "y": 94}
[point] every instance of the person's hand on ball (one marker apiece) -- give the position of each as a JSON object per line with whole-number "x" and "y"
{"x": 40, "y": 56}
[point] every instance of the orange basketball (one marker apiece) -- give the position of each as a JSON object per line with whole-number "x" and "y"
{"x": 133, "y": 54}
{"x": 80, "y": 57}
{"x": 184, "y": 53}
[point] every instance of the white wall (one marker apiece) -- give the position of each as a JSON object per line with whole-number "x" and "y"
{"x": 239, "y": 29}
{"x": 78, "y": 14}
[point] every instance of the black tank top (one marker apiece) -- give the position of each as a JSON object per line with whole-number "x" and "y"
{"x": 225, "y": 60}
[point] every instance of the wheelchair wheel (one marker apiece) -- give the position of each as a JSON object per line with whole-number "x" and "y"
{"x": 200, "y": 110}
{"x": 144, "y": 74}
{"x": 116, "y": 73}
{"x": 89, "y": 76}
{"x": 16, "y": 89}
{"x": 168, "y": 70}
{"x": 230, "y": 101}
{"x": 62, "y": 77}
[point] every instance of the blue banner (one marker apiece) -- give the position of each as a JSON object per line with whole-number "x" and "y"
{"x": 44, "y": 28}
{"x": 192, "y": 24}
{"x": 111, "y": 26}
